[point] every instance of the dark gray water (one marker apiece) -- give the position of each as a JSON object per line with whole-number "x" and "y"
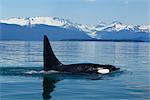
{"x": 22, "y": 79}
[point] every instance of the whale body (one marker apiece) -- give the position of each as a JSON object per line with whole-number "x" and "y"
{"x": 52, "y": 63}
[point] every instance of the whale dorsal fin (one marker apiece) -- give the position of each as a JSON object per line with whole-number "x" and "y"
{"x": 50, "y": 60}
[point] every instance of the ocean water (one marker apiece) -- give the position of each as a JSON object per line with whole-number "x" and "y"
{"x": 22, "y": 78}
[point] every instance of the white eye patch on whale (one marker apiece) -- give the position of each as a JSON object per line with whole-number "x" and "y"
{"x": 103, "y": 71}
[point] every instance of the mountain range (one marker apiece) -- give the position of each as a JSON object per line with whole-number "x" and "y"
{"x": 33, "y": 28}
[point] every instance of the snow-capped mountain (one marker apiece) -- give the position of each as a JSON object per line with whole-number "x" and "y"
{"x": 28, "y": 28}
{"x": 65, "y": 23}
{"x": 50, "y": 21}
{"x": 99, "y": 31}
{"x": 100, "y": 25}
{"x": 119, "y": 31}
{"x": 118, "y": 26}
{"x": 145, "y": 28}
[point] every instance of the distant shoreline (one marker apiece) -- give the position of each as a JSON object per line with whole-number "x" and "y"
{"x": 104, "y": 40}
{"x": 86, "y": 40}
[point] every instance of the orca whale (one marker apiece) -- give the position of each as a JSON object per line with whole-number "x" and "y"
{"x": 52, "y": 63}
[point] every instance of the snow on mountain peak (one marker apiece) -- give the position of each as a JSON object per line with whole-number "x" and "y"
{"x": 100, "y": 25}
{"x": 53, "y": 21}
{"x": 117, "y": 22}
{"x": 118, "y": 26}
{"x": 115, "y": 26}
{"x": 145, "y": 28}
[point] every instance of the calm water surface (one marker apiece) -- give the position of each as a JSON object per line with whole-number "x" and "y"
{"x": 21, "y": 75}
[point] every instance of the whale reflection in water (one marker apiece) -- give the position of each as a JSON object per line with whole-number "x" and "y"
{"x": 50, "y": 80}
{"x": 48, "y": 87}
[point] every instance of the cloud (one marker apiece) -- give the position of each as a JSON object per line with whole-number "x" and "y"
{"x": 126, "y": 2}
{"x": 90, "y": 0}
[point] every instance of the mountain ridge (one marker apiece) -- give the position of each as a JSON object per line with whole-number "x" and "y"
{"x": 93, "y": 31}
{"x": 65, "y": 23}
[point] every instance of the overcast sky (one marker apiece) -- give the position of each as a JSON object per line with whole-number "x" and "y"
{"x": 134, "y": 12}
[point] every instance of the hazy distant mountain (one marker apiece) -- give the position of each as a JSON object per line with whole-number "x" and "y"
{"x": 33, "y": 28}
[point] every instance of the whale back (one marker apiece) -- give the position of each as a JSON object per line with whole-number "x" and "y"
{"x": 50, "y": 60}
